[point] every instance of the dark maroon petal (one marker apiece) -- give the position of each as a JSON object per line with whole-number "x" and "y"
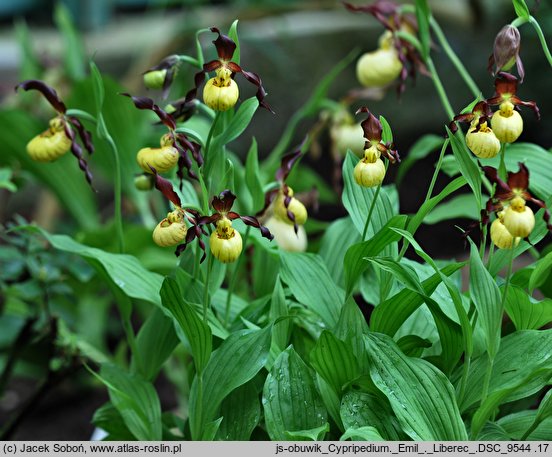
{"x": 76, "y": 150}
{"x": 85, "y": 135}
{"x": 223, "y": 203}
{"x": 520, "y": 69}
{"x": 166, "y": 64}
{"x": 232, "y": 215}
{"x": 382, "y": 10}
{"x": 255, "y": 79}
{"x": 502, "y": 191}
{"x": 519, "y": 180}
{"x": 199, "y": 77}
{"x": 269, "y": 197}
{"x": 371, "y": 125}
{"x": 505, "y": 83}
{"x": 253, "y": 222}
{"x": 516, "y": 101}
{"x": 49, "y": 93}
{"x": 288, "y": 161}
{"x": 206, "y": 220}
{"x": 165, "y": 187}
{"x": 148, "y": 104}
{"x": 224, "y": 44}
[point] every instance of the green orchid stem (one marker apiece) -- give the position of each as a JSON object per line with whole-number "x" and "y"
{"x": 437, "y": 169}
{"x": 440, "y": 88}
{"x": 502, "y": 170}
{"x": 488, "y": 373}
{"x": 521, "y": 20}
{"x": 209, "y": 137}
{"x": 233, "y": 280}
{"x": 453, "y": 57}
{"x": 206, "y": 289}
{"x": 373, "y": 205}
{"x": 118, "y": 194}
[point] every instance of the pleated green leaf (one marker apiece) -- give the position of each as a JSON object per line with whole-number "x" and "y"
{"x": 337, "y": 239}
{"x": 468, "y": 166}
{"x": 390, "y": 315}
{"x": 136, "y": 400}
{"x": 252, "y": 177}
{"x": 424, "y": 146}
{"x": 238, "y": 124}
{"x": 290, "y": 399}
{"x": 155, "y": 342}
{"x": 126, "y": 272}
{"x": 300, "y": 271}
{"x": 334, "y": 361}
{"x": 521, "y": 354}
{"x": 238, "y": 359}
{"x": 362, "y": 409}
{"x": 197, "y": 332}
{"x": 543, "y": 268}
{"x": 361, "y": 434}
{"x": 354, "y": 264}
{"x": 241, "y": 412}
{"x": 357, "y": 200}
{"x": 487, "y": 299}
{"x": 278, "y": 309}
{"x": 517, "y": 424}
{"x": 525, "y": 313}
{"x": 462, "y": 206}
{"x": 421, "y": 396}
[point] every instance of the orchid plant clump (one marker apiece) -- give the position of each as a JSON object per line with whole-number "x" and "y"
{"x": 364, "y": 337}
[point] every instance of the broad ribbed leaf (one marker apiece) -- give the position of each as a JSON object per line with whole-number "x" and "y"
{"x": 252, "y": 177}
{"x": 361, "y": 409}
{"x": 354, "y": 264}
{"x": 197, "y": 332}
{"x": 468, "y": 166}
{"x": 421, "y": 396}
{"x": 278, "y": 309}
{"x": 462, "y": 206}
{"x": 241, "y": 412}
{"x": 517, "y": 424}
{"x": 390, "y": 315}
{"x": 493, "y": 432}
{"x": 313, "y": 434}
{"x": 334, "y": 360}
{"x": 155, "y": 342}
{"x": 124, "y": 270}
{"x": 487, "y": 300}
{"x": 357, "y": 200}
{"x": 428, "y": 205}
{"x": 107, "y": 418}
{"x": 238, "y": 124}
{"x": 525, "y": 313}
{"x": 238, "y": 359}
{"x": 520, "y": 354}
{"x": 136, "y": 400}
{"x": 337, "y": 239}
{"x": 543, "y": 268}
{"x": 361, "y": 434}
{"x": 290, "y": 399}
{"x": 309, "y": 280}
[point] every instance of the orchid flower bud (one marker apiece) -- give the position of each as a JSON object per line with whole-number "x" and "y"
{"x": 507, "y": 123}
{"x": 370, "y": 171}
{"x": 483, "y": 142}
{"x": 519, "y": 218}
{"x": 285, "y": 235}
{"x": 506, "y": 51}
{"x": 162, "y": 159}
{"x": 171, "y": 230}
{"x": 50, "y": 144}
{"x": 294, "y": 206}
{"x": 378, "y": 68}
{"x": 155, "y": 79}
{"x": 225, "y": 241}
{"x": 221, "y": 92}
{"x": 500, "y": 235}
